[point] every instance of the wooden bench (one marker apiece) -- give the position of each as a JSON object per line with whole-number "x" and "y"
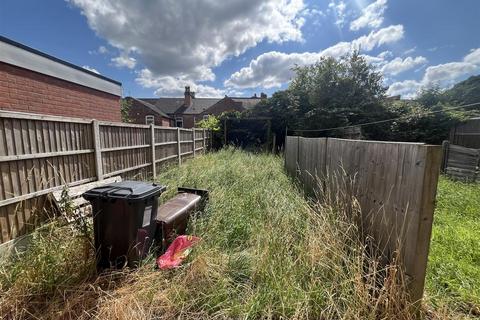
{"x": 69, "y": 202}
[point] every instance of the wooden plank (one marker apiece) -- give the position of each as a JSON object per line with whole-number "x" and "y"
{"x": 39, "y": 193}
{"x": 169, "y": 143}
{"x": 166, "y": 158}
{"x": 43, "y": 155}
{"x": 141, "y": 146}
{"x": 127, "y": 170}
{"x": 77, "y": 191}
{"x": 32, "y": 116}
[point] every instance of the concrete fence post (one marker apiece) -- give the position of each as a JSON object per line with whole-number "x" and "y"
{"x": 152, "y": 141}
{"x": 193, "y": 134}
{"x": 179, "y": 149}
{"x": 97, "y": 149}
{"x": 204, "y": 143}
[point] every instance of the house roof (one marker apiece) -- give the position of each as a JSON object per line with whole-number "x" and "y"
{"x": 248, "y": 103}
{"x": 150, "y": 106}
{"x": 176, "y": 105}
{"x": 201, "y": 104}
{"x": 166, "y": 105}
{"x": 20, "y": 55}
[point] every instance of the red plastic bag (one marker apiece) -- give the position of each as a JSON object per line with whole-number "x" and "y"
{"x": 177, "y": 252}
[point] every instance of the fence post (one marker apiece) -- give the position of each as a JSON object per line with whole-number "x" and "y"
{"x": 152, "y": 139}
{"x": 97, "y": 149}
{"x": 179, "y": 149}
{"x": 445, "y": 148}
{"x": 193, "y": 134}
{"x": 204, "y": 144}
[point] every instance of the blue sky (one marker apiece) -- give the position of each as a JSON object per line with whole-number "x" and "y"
{"x": 241, "y": 47}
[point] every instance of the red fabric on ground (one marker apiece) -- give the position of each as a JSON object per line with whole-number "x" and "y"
{"x": 177, "y": 252}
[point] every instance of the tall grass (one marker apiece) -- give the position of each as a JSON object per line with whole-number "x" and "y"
{"x": 453, "y": 277}
{"x": 266, "y": 252}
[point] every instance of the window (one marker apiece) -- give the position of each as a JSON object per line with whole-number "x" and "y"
{"x": 149, "y": 119}
{"x": 205, "y": 116}
{"x": 179, "y": 122}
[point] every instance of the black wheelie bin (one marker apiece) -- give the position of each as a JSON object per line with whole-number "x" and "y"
{"x": 123, "y": 221}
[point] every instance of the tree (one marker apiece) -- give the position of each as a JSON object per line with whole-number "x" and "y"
{"x": 430, "y": 97}
{"x": 125, "y": 105}
{"x": 331, "y": 93}
{"x": 418, "y": 122}
{"x": 211, "y": 122}
{"x": 464, "y": 92}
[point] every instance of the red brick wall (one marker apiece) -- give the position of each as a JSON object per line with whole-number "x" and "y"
{"x": 138, "y": 112}
{"x": 28, "y": 91}
{"x": 189, "y": 120}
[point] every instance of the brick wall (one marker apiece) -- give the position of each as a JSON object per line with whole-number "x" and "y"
{"x": 138, "y": 112}
{"x": 28, "y": 91}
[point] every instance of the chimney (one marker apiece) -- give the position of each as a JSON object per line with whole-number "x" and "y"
{"x": 188, "y": 96}
{"x": 263, "y": 95}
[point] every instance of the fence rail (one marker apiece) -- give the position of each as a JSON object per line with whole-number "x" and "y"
{"x": 40, "y": 154}
{"x": 395, "y": 184}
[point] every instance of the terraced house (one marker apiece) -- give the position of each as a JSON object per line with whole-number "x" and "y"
{"x": 34, "y": 82}
{"x": 187, "y": 110}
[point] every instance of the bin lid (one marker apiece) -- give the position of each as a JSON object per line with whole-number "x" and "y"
{"x": 130, "y": 190}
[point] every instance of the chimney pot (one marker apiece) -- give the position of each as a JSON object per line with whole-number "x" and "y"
{"x": 187, "y": 96}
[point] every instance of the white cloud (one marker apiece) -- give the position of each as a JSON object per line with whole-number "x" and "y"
{"x": 372, "y": 16}
{"x": 473, "y": 57}
{"x": 407, "y": 89}
{"x": 272, "y": 69}
{"x": 399, "y": 65}
{"x": 123, "y": 60}
{"x": 339, "y": 11}
{"x": 102, "y": 50}
{"x": 168, "y": 86}
{"x": 186, "y": 39}
{"x": 442, "y": 75}
{"x": 445, "y": 74}
{"x": 410, "y": 51}
{"x": 91, "y": 69}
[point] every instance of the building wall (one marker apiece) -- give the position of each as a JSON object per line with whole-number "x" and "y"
{"x": 188, "y": 120}
{"x": 28, "y": 91}
{"x": 138, "y": 112}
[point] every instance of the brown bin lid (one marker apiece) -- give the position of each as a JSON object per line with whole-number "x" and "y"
{"x": 176, "y": 207}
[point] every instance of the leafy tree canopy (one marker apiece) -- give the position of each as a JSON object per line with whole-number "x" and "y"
{"x": 349, "y": 91}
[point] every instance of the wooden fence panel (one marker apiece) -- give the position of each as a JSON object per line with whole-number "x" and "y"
{"x": 395, "y": 184}
{"x": 312, "y": 161}
{"x": 291, "y": 155}
{"x": 461, "y": 162}
{"x": 40, "y": 154}
{"x": 466, "y": 134}
{"x": 165, "y": 146}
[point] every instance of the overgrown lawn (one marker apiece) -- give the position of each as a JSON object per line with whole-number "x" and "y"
{"x": 453, "y": 277}
{"x": 266, "y": 252}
